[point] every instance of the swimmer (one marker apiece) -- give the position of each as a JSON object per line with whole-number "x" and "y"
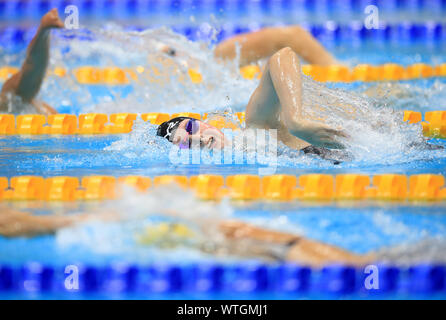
{"x": 19, "y": 91}
{"x": 275, "y": 104}
{"x": 241, "y": 238}
{"x": 263, "y": 43}
{"x": 257, "y": 45}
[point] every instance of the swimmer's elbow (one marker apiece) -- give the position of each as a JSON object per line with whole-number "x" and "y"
{"x": 293, "y": 125}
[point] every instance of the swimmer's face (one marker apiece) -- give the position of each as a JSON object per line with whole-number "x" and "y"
{"x": 191, "y": 133}
{"x": 168, "y": 50}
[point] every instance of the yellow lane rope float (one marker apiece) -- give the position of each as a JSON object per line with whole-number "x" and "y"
{"x": 166, "y": 234}
{"x": 313, "y": 187}
{"x": 99, "y": 123}
{"x": 335, "y": 73}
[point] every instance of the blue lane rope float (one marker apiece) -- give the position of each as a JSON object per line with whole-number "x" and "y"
{"x": 430, "y": 31}
{"x": 213, "y": 278}
{"x": 131, "y": 8}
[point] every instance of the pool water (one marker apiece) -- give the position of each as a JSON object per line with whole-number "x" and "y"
{"x": 401, "y": 233}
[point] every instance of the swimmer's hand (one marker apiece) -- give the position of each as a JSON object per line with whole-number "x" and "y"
{"x": 318, "y": 134}
{"x": 51, "y": 20}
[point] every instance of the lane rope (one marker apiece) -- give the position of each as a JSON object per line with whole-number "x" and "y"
{"x": 308, "y": 187}
{"x": 39, "y": 278}
{"x": 434, "y": 125}
{"x": 336, "y": 73}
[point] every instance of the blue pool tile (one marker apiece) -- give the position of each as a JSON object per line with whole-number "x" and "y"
{"x": 203, "y": 278}
{"x": 3, "y": 8}
{"x": 120, "y": 278}
{"x": 388, "y": 279}
{"x": 382, "y": 33}
{"x": 247, "y": 278}
{"x": 291, "y": 278}
{"x": 426, "y": 278}
{"x": 241, "y": 29}
{"x": 65, "y": 3}
{"x": 337, "y": 279}
{"x": 133, "y": 6}
{"x": 355, "y": 31}
{"x": 20, "y": 8}
{"x": 190, "y": 32}
{"x": 153, "y": 6}
{"x": 87, "y": 7}
{"x": 175, "y": 6}
{"x": 35, "y": 277}
{"x": 434, "y": 30}
{"x": 160, "y": 279}
{"x": 7, "y": 279}
{"x": 89, "y": 279}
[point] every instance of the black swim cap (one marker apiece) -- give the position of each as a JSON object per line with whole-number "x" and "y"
{"x": 167, "y": 129}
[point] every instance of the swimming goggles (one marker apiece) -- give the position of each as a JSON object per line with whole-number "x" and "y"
{"x": 192, "y": 127}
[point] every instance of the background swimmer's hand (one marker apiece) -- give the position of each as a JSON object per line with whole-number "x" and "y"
{"x": 51, "y": 20}
{"x": 318, "y": 134}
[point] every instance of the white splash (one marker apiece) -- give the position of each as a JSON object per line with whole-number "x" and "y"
{"x": 164, "y": 86}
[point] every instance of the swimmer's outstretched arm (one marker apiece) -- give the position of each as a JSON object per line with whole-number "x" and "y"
{"x": 300, "y": 250}
{"x": 265, "y": 42}
{"x": 27, "y": 82}
{"x": 15, "y": 223}
{"x": 280, "y": 93}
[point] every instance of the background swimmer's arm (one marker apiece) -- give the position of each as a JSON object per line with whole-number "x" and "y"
{"x": 27, "y": 82}
{"x": 15, "y": 223}
{"x": 318, "y": 254}
{"x": 234, "y": 229}
{"x": 265, "y": 42}
{"x": 300, "y": 250}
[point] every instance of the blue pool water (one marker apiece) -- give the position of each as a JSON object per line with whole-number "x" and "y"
{"x": 403, "y": 234}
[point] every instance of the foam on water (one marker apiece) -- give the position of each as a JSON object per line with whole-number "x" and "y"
{"x": 164, "y": 86}
{"x": 142, "y": 143}
{"x": 417, "y": 95}
{"x": 378, "y": 139}
{"x": 393, "y": 235}
{"x": 430, "y": 250}
{"x": 132, "y": 216}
